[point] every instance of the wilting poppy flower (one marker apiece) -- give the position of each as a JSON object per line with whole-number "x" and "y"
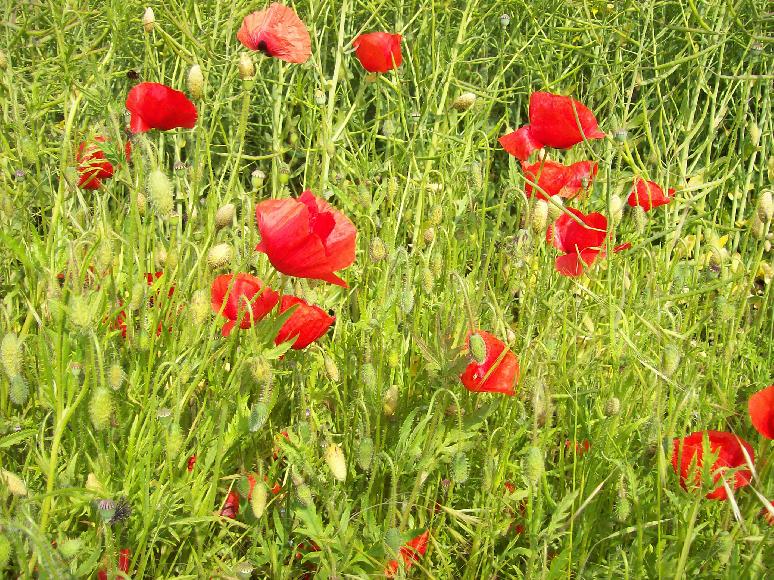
{"x": 156, "y": 106}
{"x": 557, "y": 179}
{"x": 306, "y": 324}
{"x": 582, "y": 241}
{"x": 552, "y": 123}
{"x": 120, "y": 322}
{"x": 230, "y": 507}
{"x": 409, "y": 553}
{"x": 123, "y": 564}
{"x": 93, "y": 166}
{"x": 648, "y": 194}
{"x": 191, "y": 462}
{"x": 730, "y": 451}
{"x": 276, "y": 31}
{"x": 761, "y": 408}
{"x": 241, "y": 293}
{"x": 306, "y": 237}
{"x": 493, "y": 376}
{"x": 378, "y": 52}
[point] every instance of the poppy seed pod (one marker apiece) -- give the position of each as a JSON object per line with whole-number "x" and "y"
{"x": 160, "y": 192}
{"x": 334, "y": 457}
{"x": 196, "y": 82}
{"x": 220, "y": 255}
{"x": 257, "y": 177}
{"x": 11, "y": 354}
{"x": 464, "y": 101}
{"x": 246, "y": 67}
{"x": 148, "y": 19}
{"x": 101, "y": 408}
{"x": 505, "y": 20}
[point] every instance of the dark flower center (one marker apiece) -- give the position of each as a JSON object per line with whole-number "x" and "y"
{"x": 264, "y": 48}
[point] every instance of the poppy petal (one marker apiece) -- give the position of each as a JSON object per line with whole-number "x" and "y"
{"x": 157, "y": 106}
{"x": 761, "y": 407}
{"x": 278, "y": 32}
{"x": 493, "y": 375}
{"x": 648, "y": 194}
{"x": 378, "y": 52}
{"x": 553, "y": 120}
{"x": 306, "y": 324}
{"x": 521, "y": 143}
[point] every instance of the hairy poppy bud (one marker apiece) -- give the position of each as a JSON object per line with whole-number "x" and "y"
{"x": 640, "y": 219}
{"x": 390, "y": 401}
{"x": 464, "y": 102}
{"x": 115, "y": 376}
{"x": 258, "y": 499}
{"x": 365, "y": 453}
{"x": 160, "y": 257}
{"x": 174, "y": 441}
{"x": 407, "y": 298}
{"x": 13, "y": 483}
{"x": 81, "y": 313}
{"x": 257, "y": 178}
{"x": 334, "y": 457}
{"x": 436, "y": 215}
{"x": 755, "y": 133}
{"x": 555, "y": 207}
{"x": 18, "y": 391}
{"x": 765, "y": 207}
{"x": 616, "y": 208}
{"x": 331, "y": 369}
{"x": 196, "y": 82}
{"x": 103, "y": 258}
{"x": 539, "y": 220}
{"x": 148, "y": 19}
{"x": 11, "y": 353}
{"x": 160, "y": 192}
{"x": 377, "y": 251}
{"x": 670, "y": 360}
{"x": 142, "y": 203}
{"x": 460, "y": 468}
{"x": 534, "y": 465}
{"x": 3, "y": 66}
{"x": 477, "y": 348}
{"x": 368, "y": 375}
{"x": 5, "y": 548}
{"x": 393, "y": 358}
{"x": 200, "y": 307}
{"x": 246, "y": 67}
{"x": 612, "y": 407}
{"x": 436, "y": 265}
{"x": 622, "y": 509}
{"x": 225, "y": 215}
{"x": 428, "y": 280}
{"x": 101, "y": 408}
{"x": 757, "y": 227}
{"x": 220, "y": 255}
{"x": 302, "y": 489}
{"x": 429, "y": 235}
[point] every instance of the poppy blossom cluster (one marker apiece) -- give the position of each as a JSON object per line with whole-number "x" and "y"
{"x": 410, "y": 552}
{"x": 497, "y": 373}
{"x": 242, "y": 298}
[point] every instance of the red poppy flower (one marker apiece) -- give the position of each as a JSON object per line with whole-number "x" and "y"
{"x": 730, "y": 451}
{"x": 648, "y": 194}
{"x": 306, "y": 237}
{"x": 156, "y": 106}
{"x": 557, "y": 179}
{"x": 761, "y": 408}
{"x": 191, "y": 462}
{"x": 306, "y": 324}
{"x": 580, "y": 447}
{"x": 242, "y": 293}
{"x": 276, "y": 31}
{"x": 120, "y": 322}
{"x": 581, "y": 241}
{"x": 409, "y": 553}
{"x": 552, "y": 123}
{"x": 230, "y": 507}
{"x": 492, "y": 376}
{"x": 123, "y": 564}
{"x": 378, "y": 52}
{"x": 93, "y": 167}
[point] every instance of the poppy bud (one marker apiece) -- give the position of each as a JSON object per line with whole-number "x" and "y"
{"x": 13, "y": 483}
{"x": 505, "y": 20}
{"x": 18, "y": 391}
{"x": 115, "y": 376}
{"x": 622, "y": 509}
{"x": 616, "y": 208}
{"x": 142, "y": 203}
{"x": 464, "y": 102}
{"x": 81, "y": 315}
{"x": 407, "y": 298}
{"x": 160, "y": 192}
{"x": 219, "y": 256}
{"x": 334, "y": 457}
{"x": 174, "y": 441}
{"x": 428, "y": 280}
{"x": 200, "y": 307}
{"x": 319, "y": 97}
{"x": 755, "y": 133}
{"x": 368, "y": 375}
{"x": 246, "y": 67}
{"x": 225, "y": 215}
{"x": 365, "y": 453}
{"x": 377, "y": 251}
{"x": 640, "y": 219}
{"x": 390, "y": 401}
{"x": 148, "y": 19}
{"x": 331, "y": 369}
{"x": 258, "y": 497}
{"x": 100, "y": 408}
{"x": 393, "y": 358}
{"x": 3, "y": 66}
{"x": 103, "y": 259}
{"x": 757, "y": 227}
{"x": 302, "y": 489}
{"x": 534, "y": 465}
{"x": 429, "y": 235}
{"x": 460, "y": 468}
{"x": 765, "y": 207}
{"x": 160, "y": 257}
{"x": 477, "y": 348}
{"x": 257, "y": 178}
{"x": 11, "y": 354}
{"x": 436, "y": 265}
{"x": 555, "y": 207}
{"x": 670, "y": 360}
{"x": 436, "y": 215}
{"x": 196, "y": 82}
{"x": 612, "y": 407}
{"x": 539, "y": 220}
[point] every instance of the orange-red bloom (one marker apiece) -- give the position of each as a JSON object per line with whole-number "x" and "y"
{"x": 276, "y": 31}
{"x": 761, "y": 407}
{"x": 157, "y": 106}
{"x": 306, "y": 324}
{"x": 378, "y": 51}
{"x": 687, "y": 457}
{"x": 557, "y": 179}
{"x": 306, "y": 237}
{"x": 497, "y": 374}
{"x": 123, "y": 564}
{"x": 241, "y": 294}
{"x": 552, "y": 123}
{"x": 230, "y": 507}
{"x": 409, "y": 553}
{"x": 648, "y": 194}
{"x": 93, "y": 167}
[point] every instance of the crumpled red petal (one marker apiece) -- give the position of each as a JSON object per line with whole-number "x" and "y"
{"x": 521, "y": 143}
{"x": 306, "y": 324}
{"x": 648, "y": 194}
{"x": 557, "y": 179}
{"x": 276, "y": 31}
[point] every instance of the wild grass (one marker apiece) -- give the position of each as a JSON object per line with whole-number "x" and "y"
{"x": 679, "y": 329}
